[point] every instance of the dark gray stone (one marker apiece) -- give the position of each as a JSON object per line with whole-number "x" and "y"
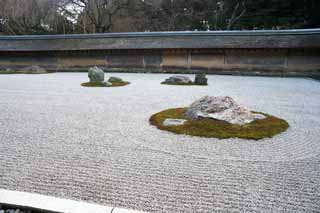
{"x": 201, "y": 79}
{"x": 115, "y": 79}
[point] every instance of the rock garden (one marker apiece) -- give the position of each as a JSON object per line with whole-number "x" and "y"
{"x": 219, "y": 117}
{"x": 97, "y": 79}
{"x": 97, "y": 145}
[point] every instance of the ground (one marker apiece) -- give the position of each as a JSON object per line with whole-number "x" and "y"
{"x": 60, "y": 139}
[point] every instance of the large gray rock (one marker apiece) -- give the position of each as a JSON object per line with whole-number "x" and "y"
{"x": 96, "y": 74}
{"x": 221, "y": 108}
{"x": 178, "y": 80}
{"x": 34, "y": 70}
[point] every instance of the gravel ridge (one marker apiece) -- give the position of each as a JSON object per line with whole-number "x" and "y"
{"x": 91, "y": 144}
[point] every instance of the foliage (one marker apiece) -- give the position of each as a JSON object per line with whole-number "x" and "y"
{"x": 210, "y": 128}
{"x": 19, "y": 17}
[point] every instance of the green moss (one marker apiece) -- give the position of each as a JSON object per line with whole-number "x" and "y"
{"x": 93, "y": 84}
{"x": 99, "y": 84}
{"x": 8, "y": 72}
{"x": 119, "y": 84}
{"x": 182, "y": 84}
{"x": 210, "y": 128}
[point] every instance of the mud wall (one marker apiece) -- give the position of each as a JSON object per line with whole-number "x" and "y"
{"x": 264, "y": 52}
{"x": 288, "y": 62}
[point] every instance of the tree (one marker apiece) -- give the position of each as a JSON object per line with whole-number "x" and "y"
{"x": 19, "y": 17}
{"x": 95, "y": 16}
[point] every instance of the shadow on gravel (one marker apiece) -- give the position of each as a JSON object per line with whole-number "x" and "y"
{"x": 4, "y": 208}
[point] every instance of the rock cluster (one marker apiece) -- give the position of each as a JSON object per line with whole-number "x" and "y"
{"x": 26, "y": 70}
{"x": 34, "y": 70}
{"x": 221, "y": 108}
{"x": 200, "y": 79}
{"x": 178, "y": 80}
{"x": 96, "y": 75}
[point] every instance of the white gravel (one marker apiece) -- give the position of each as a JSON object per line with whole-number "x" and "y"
{"x": 95, "y": 144}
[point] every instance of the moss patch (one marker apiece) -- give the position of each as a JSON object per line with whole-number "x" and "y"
{"x": 99, "y": 84}
{"x": 210, "y": 128}
{"x": 182, "y": 84}
{"x": 120, "y": 83}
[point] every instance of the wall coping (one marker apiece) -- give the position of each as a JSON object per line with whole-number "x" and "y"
{"x": 268, "y": 39}
{"x": 169, "y": 34}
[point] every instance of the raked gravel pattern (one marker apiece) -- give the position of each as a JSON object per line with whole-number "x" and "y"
{"x": 95, "y": 144}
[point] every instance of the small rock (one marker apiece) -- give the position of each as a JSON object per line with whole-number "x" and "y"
{"x": 178, "y": 79}
{"x": 115, "y": 79}
{"x": 96, "y": 74}
{"x": 10, "y": 211}
{"x": 34, "y": 70}
{"x": 107, "y": 83}
{"x": 221, "y": 108}
{"x": 201, "y": 79}
{"x": 8, "y": 70}
{"x": 174, "y": 122}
